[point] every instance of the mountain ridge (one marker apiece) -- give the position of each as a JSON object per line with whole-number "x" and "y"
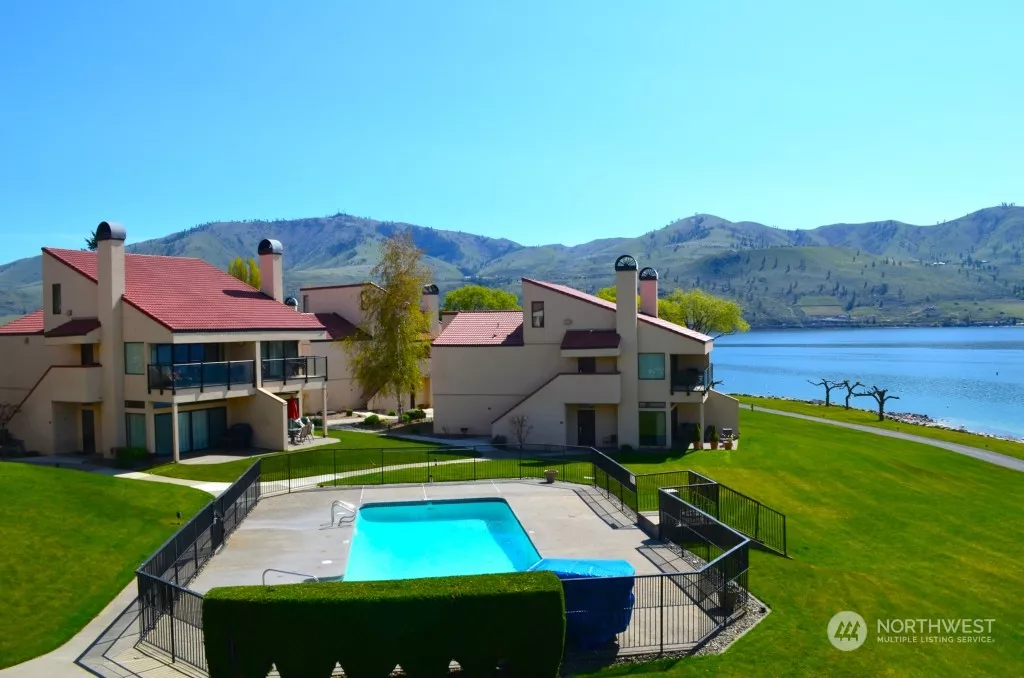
{"x": 963, "y": 270}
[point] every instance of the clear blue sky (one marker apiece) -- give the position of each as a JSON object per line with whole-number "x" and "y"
{"x": 538, "y": 121}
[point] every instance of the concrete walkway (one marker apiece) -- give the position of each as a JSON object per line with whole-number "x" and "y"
{"x": 984, "y": 455}
{"x": 213, "y": 488}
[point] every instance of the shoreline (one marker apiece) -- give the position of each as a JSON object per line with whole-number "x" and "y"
{"x": 909, "y": 418}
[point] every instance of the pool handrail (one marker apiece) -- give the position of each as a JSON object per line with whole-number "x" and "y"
{"x": 297, "y": 574}
{"x": 345, "y": 506}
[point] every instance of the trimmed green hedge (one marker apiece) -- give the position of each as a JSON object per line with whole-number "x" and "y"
{"x": 369, "y": 627}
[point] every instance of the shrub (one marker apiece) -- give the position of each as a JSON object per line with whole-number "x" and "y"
{"x": 317, "y": 420}
{"x": 406, "y": 417}
{"x": 500, "y": 442}
{"x": 372, "y": 421}
{"x": 697, "y": 439}
{"x": 128, "y": 457}
{"x": 417, "y": 414}
{"x": 479, "y": 621}
{"x": 391, "y": 413}
{"x": 625, "y": 448}
{"x": 348, "y": 413}
{"x": 713, "y": 433}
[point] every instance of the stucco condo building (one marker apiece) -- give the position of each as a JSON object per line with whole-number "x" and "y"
{"x": 167, "y": 353}
{"x": 578, "y": 370}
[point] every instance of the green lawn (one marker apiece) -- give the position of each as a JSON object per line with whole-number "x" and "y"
{"x": 69, "y": 542}
{"x": 361, "y": 450}
{"x": 883, "y": 527}
{"x": 865, "y": 418}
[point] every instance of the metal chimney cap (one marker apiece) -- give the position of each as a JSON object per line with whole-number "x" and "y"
{"x": 291, "y": 301}
{"x": 625, "y": 263}
{"x": 430, "y": 289}
{"x": 110, "y": 231}
{"x": 268, "y": 246}
{"x": 648, "y": 273}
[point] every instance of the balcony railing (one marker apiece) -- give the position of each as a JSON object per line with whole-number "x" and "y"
{"x": 201, "y": 376}
{"x": 691, "y": 379}
{"x": 294, "y": 370}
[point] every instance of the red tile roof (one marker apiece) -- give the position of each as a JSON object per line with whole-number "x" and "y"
{"x": 189, "y": 295}
{"x": 75, "y": 328}
{"x": 597, "y": 301}
{"x": 337, "y": 327}
{"x": 27, "y": 324}
{"x": 575, "y": 340}
{"x": 483, "y": 328}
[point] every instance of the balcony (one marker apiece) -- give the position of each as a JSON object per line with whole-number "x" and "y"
{"x": 591, "y": 388}
{"x": 691, "y": 379}
{"x": 202, "y": 376}
{"x": 76, "y": 384}
{"x": 295, "y": 370}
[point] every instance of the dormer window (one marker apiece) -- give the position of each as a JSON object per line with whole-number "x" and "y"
{"x": 537, "y": 314}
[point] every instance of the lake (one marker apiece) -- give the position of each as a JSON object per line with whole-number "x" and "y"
{"x": 960, "y": 376}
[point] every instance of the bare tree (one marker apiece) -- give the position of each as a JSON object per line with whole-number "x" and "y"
{"x": 850, "y": 391}
{"x": 521, "y": 428}
{"x": 829, "y": 387}
{"x": 881, "y": 397}
{"x": 7, "y": 412}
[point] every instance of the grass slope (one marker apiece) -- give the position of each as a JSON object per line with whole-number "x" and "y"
{"x": 883, "y": 527}
{"x": 866, "y": 418}
{"x": 70, "y": 542}
{"x": 361, "y": 450}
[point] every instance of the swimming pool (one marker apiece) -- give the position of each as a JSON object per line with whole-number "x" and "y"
{"x": 405, "y": 540}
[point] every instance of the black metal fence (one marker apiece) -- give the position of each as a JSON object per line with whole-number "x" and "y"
{"x": 170, "y": 616}
{"x": 662, "y": 612}
{"x": 745, "y": 514}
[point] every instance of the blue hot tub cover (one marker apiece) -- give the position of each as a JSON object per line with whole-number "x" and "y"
{"x": 595, "y": 610}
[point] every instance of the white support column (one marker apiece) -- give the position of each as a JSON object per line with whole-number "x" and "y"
{"x": 323, "y": 412}
{"x": 150, "y": 429}
{"x": 175, "y": 446}
{"x": 257, "y": 365}
{"x": 702, "y": 424}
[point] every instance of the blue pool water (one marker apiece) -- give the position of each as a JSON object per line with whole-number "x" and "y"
{"x": 405, "y": 540}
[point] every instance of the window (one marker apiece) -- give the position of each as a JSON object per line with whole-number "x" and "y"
{"x": 135, "y": 427}
{"x": 652, "y": 429}
{"x": 87, "y": 355}
{"x": 55, "y": 298}
{"x": 537, "y": 313}
{"x": 652, "y": 365}
{"x": 179, "y": 354}
{"x": 305, "y": 303}
{"x": 134, "y": 358}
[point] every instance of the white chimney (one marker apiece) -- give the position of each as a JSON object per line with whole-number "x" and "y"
{"x": 649, "y": 292}
{"x": 110, "y": 292}
{"x": 271, "y": 269}
{"x": 430, "y": 303}
{"x": 625, "y": 325}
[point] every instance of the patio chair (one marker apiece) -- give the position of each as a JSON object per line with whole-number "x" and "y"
{"x": 304, "y": 433}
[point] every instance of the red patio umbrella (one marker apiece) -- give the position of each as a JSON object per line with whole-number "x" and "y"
{"x": 293, "y": 408}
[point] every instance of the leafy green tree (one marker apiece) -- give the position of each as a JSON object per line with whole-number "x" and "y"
{"x": 90, "y": 242}
{"x": 702, "y": 312}
{"x": 480, "y": 298}
{"x": 608, "y": 294}
{"x": 396, "y": 332}
{"x": 246, "y": 271}
{"x": 695, "y": 309}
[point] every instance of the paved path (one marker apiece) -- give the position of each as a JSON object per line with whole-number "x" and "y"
{"x": 276, "y": 486}
{"x": 1003, "y": 460}
{"x": 206, "y": 486}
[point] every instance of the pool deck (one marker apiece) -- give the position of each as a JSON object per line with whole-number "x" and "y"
{"x": 293, "y": 532}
